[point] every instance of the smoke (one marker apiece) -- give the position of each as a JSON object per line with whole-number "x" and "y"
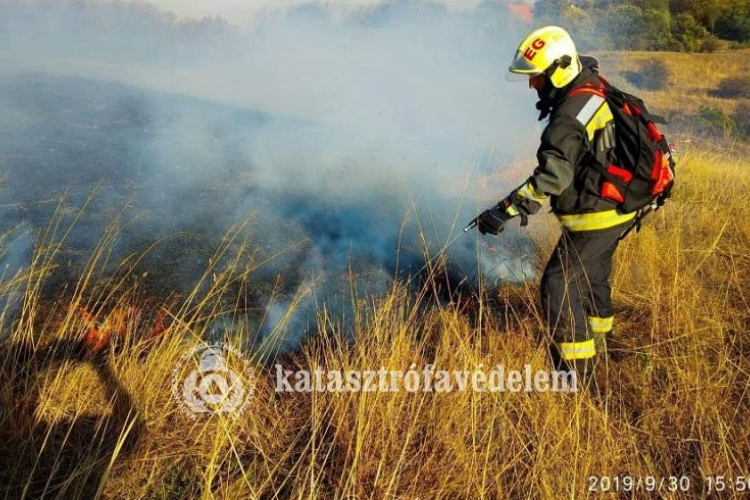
{"x": 352, "y": 140}
{"x": 15, "y": 252}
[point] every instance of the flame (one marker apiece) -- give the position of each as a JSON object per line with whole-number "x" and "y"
{"x": 100, "y": 334}
{"x": 104, "y": 329}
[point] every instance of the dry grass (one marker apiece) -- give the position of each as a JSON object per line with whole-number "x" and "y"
{"x": 81, "y": 425}
{"x": 677, "y": 404}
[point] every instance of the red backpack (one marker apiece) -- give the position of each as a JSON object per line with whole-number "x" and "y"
{"x": 645, "y": 172}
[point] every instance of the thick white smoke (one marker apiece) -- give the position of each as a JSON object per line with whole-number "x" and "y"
{"x": 352, "y": 137}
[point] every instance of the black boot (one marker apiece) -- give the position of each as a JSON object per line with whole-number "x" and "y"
{"x": 582, "y": 368}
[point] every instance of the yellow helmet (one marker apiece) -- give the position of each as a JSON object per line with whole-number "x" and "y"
{"x": 548, "y": 50}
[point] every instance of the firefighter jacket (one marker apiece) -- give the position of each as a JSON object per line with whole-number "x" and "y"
{"x": 576, "y": 146}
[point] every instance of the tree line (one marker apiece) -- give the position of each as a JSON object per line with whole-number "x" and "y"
{"x": 679, "y": 25}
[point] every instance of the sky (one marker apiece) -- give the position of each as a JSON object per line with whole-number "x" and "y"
{"x": 242, "y": 12}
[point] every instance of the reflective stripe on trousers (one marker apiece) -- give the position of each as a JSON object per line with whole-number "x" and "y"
{"x": 577, "y": 350}
{"x": 600, "y": 325}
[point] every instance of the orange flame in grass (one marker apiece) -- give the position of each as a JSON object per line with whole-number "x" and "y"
{"x": 100, "y": 334}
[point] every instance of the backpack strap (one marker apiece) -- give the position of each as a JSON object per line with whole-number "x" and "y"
{"x": 598, "y": 87}
{"x": 600, "y": 90}
{"x": 589, "y": 88}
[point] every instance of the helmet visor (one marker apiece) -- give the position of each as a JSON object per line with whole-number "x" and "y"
{"x": 522, "y": 65}
{"x": 521, "y": 70}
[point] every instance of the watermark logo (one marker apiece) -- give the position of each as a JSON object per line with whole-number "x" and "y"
{"x": 212, "y": 379}
{"x": 425, "y": 379}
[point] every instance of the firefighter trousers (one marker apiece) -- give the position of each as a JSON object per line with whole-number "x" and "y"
{"x": 577, "y": 297}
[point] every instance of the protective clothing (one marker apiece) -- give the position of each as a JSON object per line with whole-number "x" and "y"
{"x": 576, "y": 146}
{"x": 522, "y": 202}
{"x": 492, "y": 220}
{"x": 577, "y": 297}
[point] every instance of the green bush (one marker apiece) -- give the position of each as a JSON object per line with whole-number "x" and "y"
{"x": 714, "y": 44}
{"x": 734, "y": 23}
{"x": 687, "y": 34}
{"x": 717, "y": 122}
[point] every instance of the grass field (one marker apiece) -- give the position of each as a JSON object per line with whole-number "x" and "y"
{"x": 80, "y": 424}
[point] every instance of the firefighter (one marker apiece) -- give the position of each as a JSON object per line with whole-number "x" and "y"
{"x": 576, "y": 144}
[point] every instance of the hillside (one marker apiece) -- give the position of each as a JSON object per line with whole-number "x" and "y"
{"x": 83, "y": 418}
{"x": 705, "y": 94}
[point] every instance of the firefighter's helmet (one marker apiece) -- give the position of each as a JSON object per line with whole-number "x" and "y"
{"x": 548, "y": 50}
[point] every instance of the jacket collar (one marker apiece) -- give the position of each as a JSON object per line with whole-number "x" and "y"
{"x": 587, "y": 74}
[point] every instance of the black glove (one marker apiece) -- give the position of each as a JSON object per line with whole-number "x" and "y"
{"x": 492, "y": 220}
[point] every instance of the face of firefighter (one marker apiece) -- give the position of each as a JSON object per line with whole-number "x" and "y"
{"x": 545, "y": 90}
{"x": 537, "y": 82}
{"x": 543, "y": 86}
